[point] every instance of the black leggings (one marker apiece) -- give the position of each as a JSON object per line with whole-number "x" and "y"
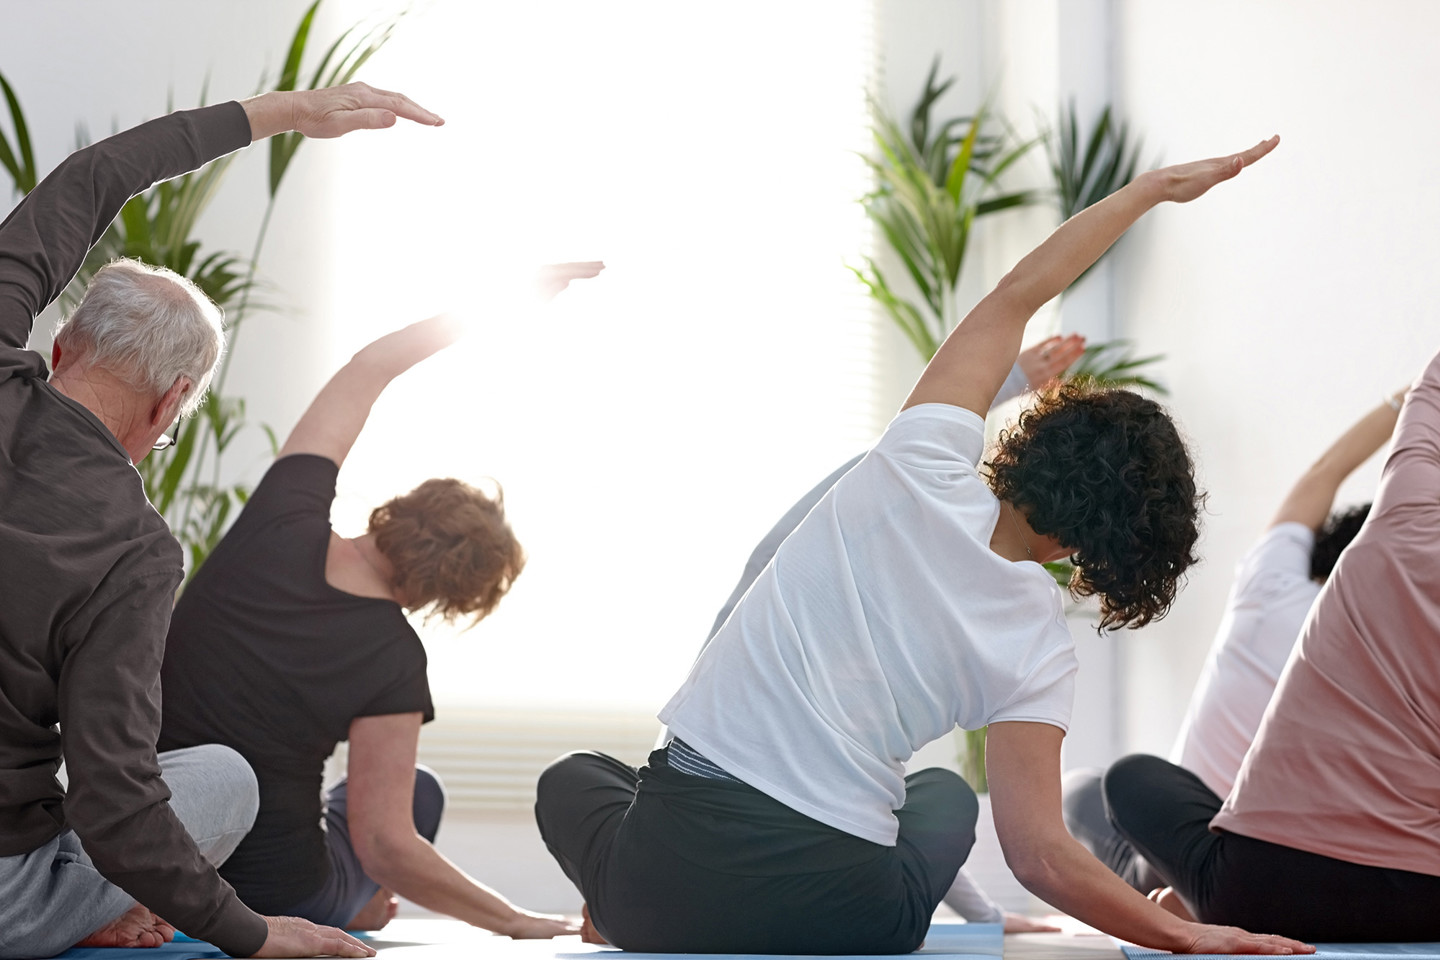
{"x": 672, "y": 863}
{"x": 1165, "y": 811}
{"x": 1083, "y": 804}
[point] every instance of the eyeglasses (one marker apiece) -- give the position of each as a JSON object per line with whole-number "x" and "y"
{"x": 168, "y": 440}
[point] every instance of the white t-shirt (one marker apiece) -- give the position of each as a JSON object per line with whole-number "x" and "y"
{"x": 1271, "y": 597}
{"x": 883, "y": 621}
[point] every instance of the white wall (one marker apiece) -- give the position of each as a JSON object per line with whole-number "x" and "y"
{"x": 110, "y": 66}
{"x": 1288, "y": 300}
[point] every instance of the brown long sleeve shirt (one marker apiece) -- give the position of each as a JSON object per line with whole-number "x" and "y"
{"x": 88, "y": 569}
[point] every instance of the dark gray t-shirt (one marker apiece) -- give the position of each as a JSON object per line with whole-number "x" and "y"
{"x": 266, "y": 657}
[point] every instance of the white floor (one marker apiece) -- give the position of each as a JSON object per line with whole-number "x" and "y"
{"x": 503, "y": 850}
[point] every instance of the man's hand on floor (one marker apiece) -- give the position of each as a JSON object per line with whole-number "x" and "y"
{"x": 293, "y": 937}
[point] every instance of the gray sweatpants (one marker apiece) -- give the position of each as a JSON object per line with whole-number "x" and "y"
{"x": 53, "y": 897}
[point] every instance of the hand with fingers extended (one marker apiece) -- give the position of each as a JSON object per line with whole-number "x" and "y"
{"x": 553, "y": 278}
{"x": 1212, "y": 939}
{"x": 332, "y": 111}
{"x": 1049, "y": 358}
{"x": 1187, "y": 181}
{"x": 335, "y": 111}
{"x": 1020, "y": 923}
{"x": 541, "y": 926}
{"x": 293, "y": 937}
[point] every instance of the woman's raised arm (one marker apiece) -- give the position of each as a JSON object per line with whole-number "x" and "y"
{"x": 330, "y": 426}
{"x": 973, "y": 361}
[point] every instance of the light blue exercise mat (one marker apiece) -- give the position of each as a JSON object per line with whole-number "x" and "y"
{"x": 1323, "y": 951}
{"x": 960, "y": 941}
{"x": 980, "y": 941}
{"x": 177, "y": 949}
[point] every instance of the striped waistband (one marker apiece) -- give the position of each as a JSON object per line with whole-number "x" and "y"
{"x": 685, "y": 758}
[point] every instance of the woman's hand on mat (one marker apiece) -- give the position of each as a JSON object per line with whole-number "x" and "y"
{"x": 540, "y": 926}
{"x": 1211, "y": 939}
{"x": 1019, "y": 923}
{"x": 553, "y": 278}
{"x": 1187, "y": 181}
{"x": 293, "y": 937}
{"x": 1049, "y": 358}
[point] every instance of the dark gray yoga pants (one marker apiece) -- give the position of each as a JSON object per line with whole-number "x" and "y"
{"x": 672, "y": 863}
{"x": 348, "y": 889}
{"x": 1089, "y": 822}
{"x": 1165, "y": 811}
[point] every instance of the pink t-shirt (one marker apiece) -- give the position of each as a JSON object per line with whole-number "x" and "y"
{"x": 1346, "y": 763}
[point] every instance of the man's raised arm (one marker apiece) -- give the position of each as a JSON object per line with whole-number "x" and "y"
{"x": 45, "y": 238}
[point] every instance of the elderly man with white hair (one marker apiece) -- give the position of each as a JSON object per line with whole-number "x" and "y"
{"x": 89, "y": 570}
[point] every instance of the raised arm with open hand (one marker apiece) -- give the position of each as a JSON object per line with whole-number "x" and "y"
{"x": 973, "y": 361}
{"x": 1310, "y": 500}
{"x": 332, "y": 111}
{"x": 330, "y": 426}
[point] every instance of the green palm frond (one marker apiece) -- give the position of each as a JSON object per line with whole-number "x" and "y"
{"x": 1111, "y": 364}
{"x": 932, "y": 181}
{"x": 158, "y": 227}
{"x": 1088, "y": 168}
{"x": 17, "y": 159}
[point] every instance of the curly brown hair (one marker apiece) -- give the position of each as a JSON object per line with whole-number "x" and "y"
{"x": 1105, "y": 472}
{"x": 450, "y": 546}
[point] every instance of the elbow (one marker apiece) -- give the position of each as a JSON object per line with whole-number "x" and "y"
{"x": 1035, "y": 868}
{"x": 381, "y": 856}
{"x": 1016, "y": 294}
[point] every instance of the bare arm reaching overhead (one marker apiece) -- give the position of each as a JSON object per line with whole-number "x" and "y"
{"x": 1310, "y": 500}
{"x": 334, "y": 419}
{"x": 971, "y": 364}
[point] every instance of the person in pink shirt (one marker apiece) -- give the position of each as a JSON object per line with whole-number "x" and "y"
{"x": 1332, "y": 829}
{"x": 1275, "y": 585}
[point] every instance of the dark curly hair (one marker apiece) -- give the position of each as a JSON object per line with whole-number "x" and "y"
{"x": 1334, "y": 536}
{"x": 1105, "y": 472}
{"x": 450, "y": 546}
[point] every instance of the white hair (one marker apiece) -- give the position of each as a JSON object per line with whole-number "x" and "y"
{"x": 149, "y": 326}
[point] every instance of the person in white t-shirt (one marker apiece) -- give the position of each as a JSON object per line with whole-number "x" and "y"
{"x": 1275, "y": 586}
{"x": 911, "y": 599}
{"x": 1037, "y": 366}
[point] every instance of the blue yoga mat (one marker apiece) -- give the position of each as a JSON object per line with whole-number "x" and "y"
{"x": 175, "y": 950}
{"x": 982, "y": 941}
{"x": 1323, "y": 951}
{"x": 962, "y": 941}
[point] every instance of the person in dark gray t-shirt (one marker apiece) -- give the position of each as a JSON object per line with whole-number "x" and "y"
{"x": 89, "y": 569}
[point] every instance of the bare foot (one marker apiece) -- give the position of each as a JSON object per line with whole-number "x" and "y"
{"x": 137, "y": 927}
{"x": 1170, "y": 900}
{"x": 374, "y": 915}
{"x": 588, "y": 933}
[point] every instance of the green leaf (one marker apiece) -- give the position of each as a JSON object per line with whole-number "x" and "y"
{"x": 1109, "y": 363}
{"x": 18, "y": 160}
{"x": 290, "y": 73}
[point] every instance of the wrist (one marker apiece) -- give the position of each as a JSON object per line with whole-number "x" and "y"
{"x": 513, "y": 926}
{"x": 270, "y": 114}
{"x": 1152, "y": 185}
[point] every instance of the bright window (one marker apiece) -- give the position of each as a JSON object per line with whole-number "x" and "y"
{"x": 651, "y": 425}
